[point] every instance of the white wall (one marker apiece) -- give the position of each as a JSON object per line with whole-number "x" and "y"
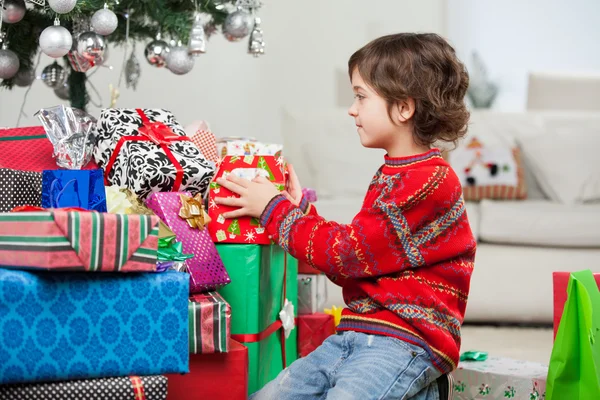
{"x": 308, "y": 43}
{"x": 515, "y": 36}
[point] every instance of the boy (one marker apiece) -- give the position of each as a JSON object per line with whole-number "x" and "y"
{"x": 405, "y": 261}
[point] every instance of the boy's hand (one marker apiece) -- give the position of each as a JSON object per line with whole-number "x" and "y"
{"x": 254, "y": 195}
{"x": 293, "y": 188}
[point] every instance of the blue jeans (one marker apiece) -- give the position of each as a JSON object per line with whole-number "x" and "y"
{"x": 353, "y": 365}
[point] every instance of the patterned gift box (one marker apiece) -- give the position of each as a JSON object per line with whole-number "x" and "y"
{"x": 28, "y": 149}
{"x": 72, "y": 188}
{"x": 121, "y": 388}
{"x": 217, "y": 376}
{"x": 245, "y": 229}
{"x": 312, "y": 293}
{"x": 210, "y": 323}
{"x": 206, "y": 268}
{"x": 261, "y": 278}
{"x": 72, "y": 240}
{"x": 147, "y": 151}
{"x": 499, "y": 378}
{"x": 19, "y": 188}
{"x": 64, "y": 326}
{"x": 313, "y": 329}
{"x": 239, "y": 146}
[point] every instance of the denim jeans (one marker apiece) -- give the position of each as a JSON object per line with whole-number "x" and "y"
{"x": 353, "y": 365}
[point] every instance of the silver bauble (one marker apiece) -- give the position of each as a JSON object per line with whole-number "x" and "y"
{"x": 62, "y": 6}
{"x": 9, "y": 64}
{"x": 53, "y": 75}
{"x": 104, "y": 22}
{"x": 197, "y": 42}
{"x": 62, "y": 92}
{"x": 56, "y": 41}
{"x": 156, "y": 53}
{"x": 13, "y": 11}
{"x": 91, "y": 46}
{"x": 24, "y": 78}
{"x": 237, "y": 25}
{"x": 179, "y": 60}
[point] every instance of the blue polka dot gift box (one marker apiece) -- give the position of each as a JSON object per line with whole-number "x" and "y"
{"x": 66, "y": 326}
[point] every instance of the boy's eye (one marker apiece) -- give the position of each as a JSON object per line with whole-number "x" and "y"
{"x": 359, "y": 96}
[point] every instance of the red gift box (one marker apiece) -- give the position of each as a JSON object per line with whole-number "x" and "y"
{"x": 560, "y": 283}
{"x": 313, "y": 329}
{"x": 213, "y": 376}
{"x": 28, "y": 149}
{"x": 241, "y": 230}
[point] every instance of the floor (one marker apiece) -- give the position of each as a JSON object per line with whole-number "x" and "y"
{"x": 528, "y": 344}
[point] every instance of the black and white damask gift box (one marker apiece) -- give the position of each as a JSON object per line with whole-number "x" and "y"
{"x": 146, "y": 150}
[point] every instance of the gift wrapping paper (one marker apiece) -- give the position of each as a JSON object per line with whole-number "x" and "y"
{"x": 210, "y": 323}
{"x": 206, "y": 268}
{"x": 65, "y": 326}
{"x": 73, "y": 240}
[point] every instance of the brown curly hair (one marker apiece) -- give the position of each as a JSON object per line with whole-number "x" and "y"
{"x": 424, "y": 67}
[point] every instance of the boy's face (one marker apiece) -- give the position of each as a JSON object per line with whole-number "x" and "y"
{"x": 370, "y": 113}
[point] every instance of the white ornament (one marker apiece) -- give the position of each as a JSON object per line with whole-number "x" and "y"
{"x": 56, "y": 40}
{"x": 9, "y": 63}
{"x": 104, "y": 21}
{"x": 13, "y": 11}
{"x": 179, "y": 61}
{"x": 62, "y": 6}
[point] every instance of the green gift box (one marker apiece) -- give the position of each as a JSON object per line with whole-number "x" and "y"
{"x": 256, "y": 298}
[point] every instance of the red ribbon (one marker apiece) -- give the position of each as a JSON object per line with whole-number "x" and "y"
{"x": 157, "y": 133}
{"x": 36, "y": 209}
{"x": 274, "y": 327}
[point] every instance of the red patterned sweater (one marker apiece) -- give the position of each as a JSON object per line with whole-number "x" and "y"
{"x": 404, "y": 262}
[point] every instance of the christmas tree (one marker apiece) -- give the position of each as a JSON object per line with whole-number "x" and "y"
{"x": 234, "y": 227}
{"x": 79, "y": 31}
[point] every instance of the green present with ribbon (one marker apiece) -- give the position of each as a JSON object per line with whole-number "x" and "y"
{"x": 263, "y": 295}
{"x": 170, "y": 255}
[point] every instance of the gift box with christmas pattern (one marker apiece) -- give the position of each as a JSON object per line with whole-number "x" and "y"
{"x": 19, "y": 188}
{"x": 239, "y": 146}
{"x": 312, "y": 293}
{"x": 313, "y": 329}
{"x": 262, "y": 277}
{"x": 63, "y": 326}
{"x": 83, "y": 241}
{"x": 28, "y": 149}
{"x": 499, "y": 378}
{"x": 210, "y": 323}
{"x": 245, "y": 229}
{"x": 206, "y": 268}
{"x": 67, "y": 188}
{"x": 213, "y": 376}
{"x": 119, "y": 388}
{"x": 147, "y": 151}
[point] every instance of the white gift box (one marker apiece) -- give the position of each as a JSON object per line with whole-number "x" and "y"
{"x": 312, "y": 292}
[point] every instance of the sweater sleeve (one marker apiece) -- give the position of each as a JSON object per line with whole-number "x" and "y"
{"x": 380, "y": 240}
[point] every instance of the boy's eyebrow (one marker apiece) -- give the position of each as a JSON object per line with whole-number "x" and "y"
{"x": 357, "y": 87}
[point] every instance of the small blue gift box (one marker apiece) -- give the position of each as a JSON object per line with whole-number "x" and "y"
{"x": 74, "y": 188}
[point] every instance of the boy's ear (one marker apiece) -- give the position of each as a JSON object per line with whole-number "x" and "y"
{"x": 405, "y": 109}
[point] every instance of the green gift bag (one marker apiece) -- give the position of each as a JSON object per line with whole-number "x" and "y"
{"x": 574, "y": 371}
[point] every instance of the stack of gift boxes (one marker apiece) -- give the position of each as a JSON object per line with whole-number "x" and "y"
{"x": 119, "y": 273}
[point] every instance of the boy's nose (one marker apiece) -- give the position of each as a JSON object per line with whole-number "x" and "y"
{"x": 352, "y": 111}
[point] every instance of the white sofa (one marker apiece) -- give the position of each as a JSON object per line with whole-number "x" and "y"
{"x": 520, "y": 242}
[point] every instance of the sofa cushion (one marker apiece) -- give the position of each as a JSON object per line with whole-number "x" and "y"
{"x": 565, "y": 163}
{"x": 539, "y": 222}
{"x": 473, "y": 214}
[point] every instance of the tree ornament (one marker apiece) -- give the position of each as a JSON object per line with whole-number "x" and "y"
{"x": 53, "y": 75}
{"x": 132, "y": 71}
{"x": 237, "y": 25}
{"x": 256, "y": 47}
{"x": 24, "y": 78}
{"x": 179, "y": 60}
{"x": 62, "y": 92}
{"x": 197, "y": 43}
{"x": 91, "y": 46}
{"x": 9, "y": 63}
{"x": 13, "y": 11}
{"x": 62, "y": 6}
{"x": 104, "y": 21}
{"x": 156, "y": 52}
{"x": 56, "y": 40}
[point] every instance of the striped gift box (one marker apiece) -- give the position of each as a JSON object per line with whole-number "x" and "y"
{"x": 209, "y": 319}
{"x": 72, "y": 240}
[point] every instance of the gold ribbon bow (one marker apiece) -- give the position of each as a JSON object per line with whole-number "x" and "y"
{"x": 192, "y": 210}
